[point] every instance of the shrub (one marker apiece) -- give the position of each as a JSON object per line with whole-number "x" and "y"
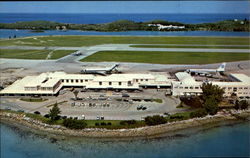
{"x": 243, "y": 104}
{"x": 64, "y": 117}
{"x": 74, "y": 124}
{"x": 155, "y": 120}
{"x": 128, "y": 122}
{"x": 176, "y": 117}
{"x": 97, "y": 124}
{"x": 46, "y": 116}
{"x": 191, "y": 101}
{"x": 109, "y": 123}
{"x": 37, "y": 112}
{"x": 198, "y": 113}
{"x": 103, "y": 124}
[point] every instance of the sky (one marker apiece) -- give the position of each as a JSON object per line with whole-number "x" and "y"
{"x": 126, "y": 7}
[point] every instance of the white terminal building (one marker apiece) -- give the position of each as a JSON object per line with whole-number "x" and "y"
{"x": 187, "y": 85}
{"x": 51, "y": 83}
{"x": 184, "y": 84}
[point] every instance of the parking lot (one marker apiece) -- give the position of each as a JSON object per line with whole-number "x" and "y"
{"x": 108, "y": 104}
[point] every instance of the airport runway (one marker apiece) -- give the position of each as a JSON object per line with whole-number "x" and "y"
{"x": 70, "y": 63}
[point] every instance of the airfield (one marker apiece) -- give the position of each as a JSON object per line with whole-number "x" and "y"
{"x": 34, "y": 55}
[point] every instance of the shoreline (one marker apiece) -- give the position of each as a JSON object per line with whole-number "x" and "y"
{"x": 142, "y": 132}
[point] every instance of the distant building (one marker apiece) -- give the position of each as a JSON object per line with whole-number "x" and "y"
{"x": 161, "y": 27}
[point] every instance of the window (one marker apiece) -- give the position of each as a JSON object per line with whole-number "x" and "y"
{"x": 146, "y": 79}
{"x": 141, "y": 79}
{"x": 110, "y": 83}
{"x": 76, "y": 81}
{"x": 191, "y": 87}
{"x": 196, "y": 87}
{"x": 229, "y": 87}
{"x": 176, "y": 87}
{"x": 81, "y": 81}
{"x": 86, "y": 80}
{"x": 245, "y": 88}
{"x": 120, "y": 83}
{"x": 181, "y": 87}
{"x": 72, "y": 81}
{"x": 136, "y": 80}
{"x": 186, "y": 87}
{"x": 100, "y": 83}
{"x": 240, "y": 87}
{"x": 67, "y": 81}
{"x": 62, "y": 80}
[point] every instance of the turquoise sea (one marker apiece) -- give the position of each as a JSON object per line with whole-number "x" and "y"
{"x": 223, "y": 141}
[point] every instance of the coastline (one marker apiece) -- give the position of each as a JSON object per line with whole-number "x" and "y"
{"x": 142, "y": 132}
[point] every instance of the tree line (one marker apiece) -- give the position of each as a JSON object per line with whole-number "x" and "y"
{"x": 128, "y": 25}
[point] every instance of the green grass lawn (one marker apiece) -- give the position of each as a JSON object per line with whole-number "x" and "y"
{"x": 166, "y": 57}
{"x": 61, "y": 53}
{"x": 32, "y": 54}
{"x": 96, "y": 40}
{"x": 167, "y": 46}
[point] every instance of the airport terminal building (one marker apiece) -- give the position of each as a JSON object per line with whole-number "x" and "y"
{"x": 49, "y": 84}
{"x": 186, "y": 85}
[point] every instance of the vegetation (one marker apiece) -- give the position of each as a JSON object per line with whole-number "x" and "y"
{"x": 194, "y": 102}
{"x": 158, "y": 100}
{"x": 54, "y": 113}
{"x": 212, "y": 95}
{"x": 160, "y": 57}
{"x": 209, "y": 90}
{"x": 183, "y": 46}
{"x": 75, "y": 92}
{"x": 32, "y": 54}
{"x": 241, "y": 105}
{"x": 74, "y": 124}
{"x": 127, "y": 25}
{"x": 198, "y": 113}
{"x": 78, "y": 41}
{"x": 57, "y": 103}
{"x": 33, "y": 99}
{"x": 155, "y": 120}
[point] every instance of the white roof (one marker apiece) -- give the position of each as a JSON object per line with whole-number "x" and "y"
{"x": 186, "y": 78}
{"x": 123, "y": 77}
{"x": 242, "y": 77}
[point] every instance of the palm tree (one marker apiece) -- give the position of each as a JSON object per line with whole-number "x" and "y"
{"x": 76, "y": 92}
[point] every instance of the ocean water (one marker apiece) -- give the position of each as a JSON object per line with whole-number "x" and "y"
{"x": 105, "y": 18}
{"x": 224, "y": 141}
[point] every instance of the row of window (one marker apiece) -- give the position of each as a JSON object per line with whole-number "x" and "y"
{"x": 74, "y": 81}
{"x": 238, "y": 93}
{"x": 137, "y": 80}
{"x": 110, "y": 83}
{"x": 187, "y": 87}
{"x": 235, "y": 88}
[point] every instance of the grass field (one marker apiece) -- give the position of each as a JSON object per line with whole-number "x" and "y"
{"x": 32, "y": 54}
{"x": 166, "y": 57}
{"x": 167, "y": 46}
{"x": 96, "y": 40}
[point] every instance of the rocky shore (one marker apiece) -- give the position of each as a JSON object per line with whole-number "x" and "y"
{"x": 148, "y": 131}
